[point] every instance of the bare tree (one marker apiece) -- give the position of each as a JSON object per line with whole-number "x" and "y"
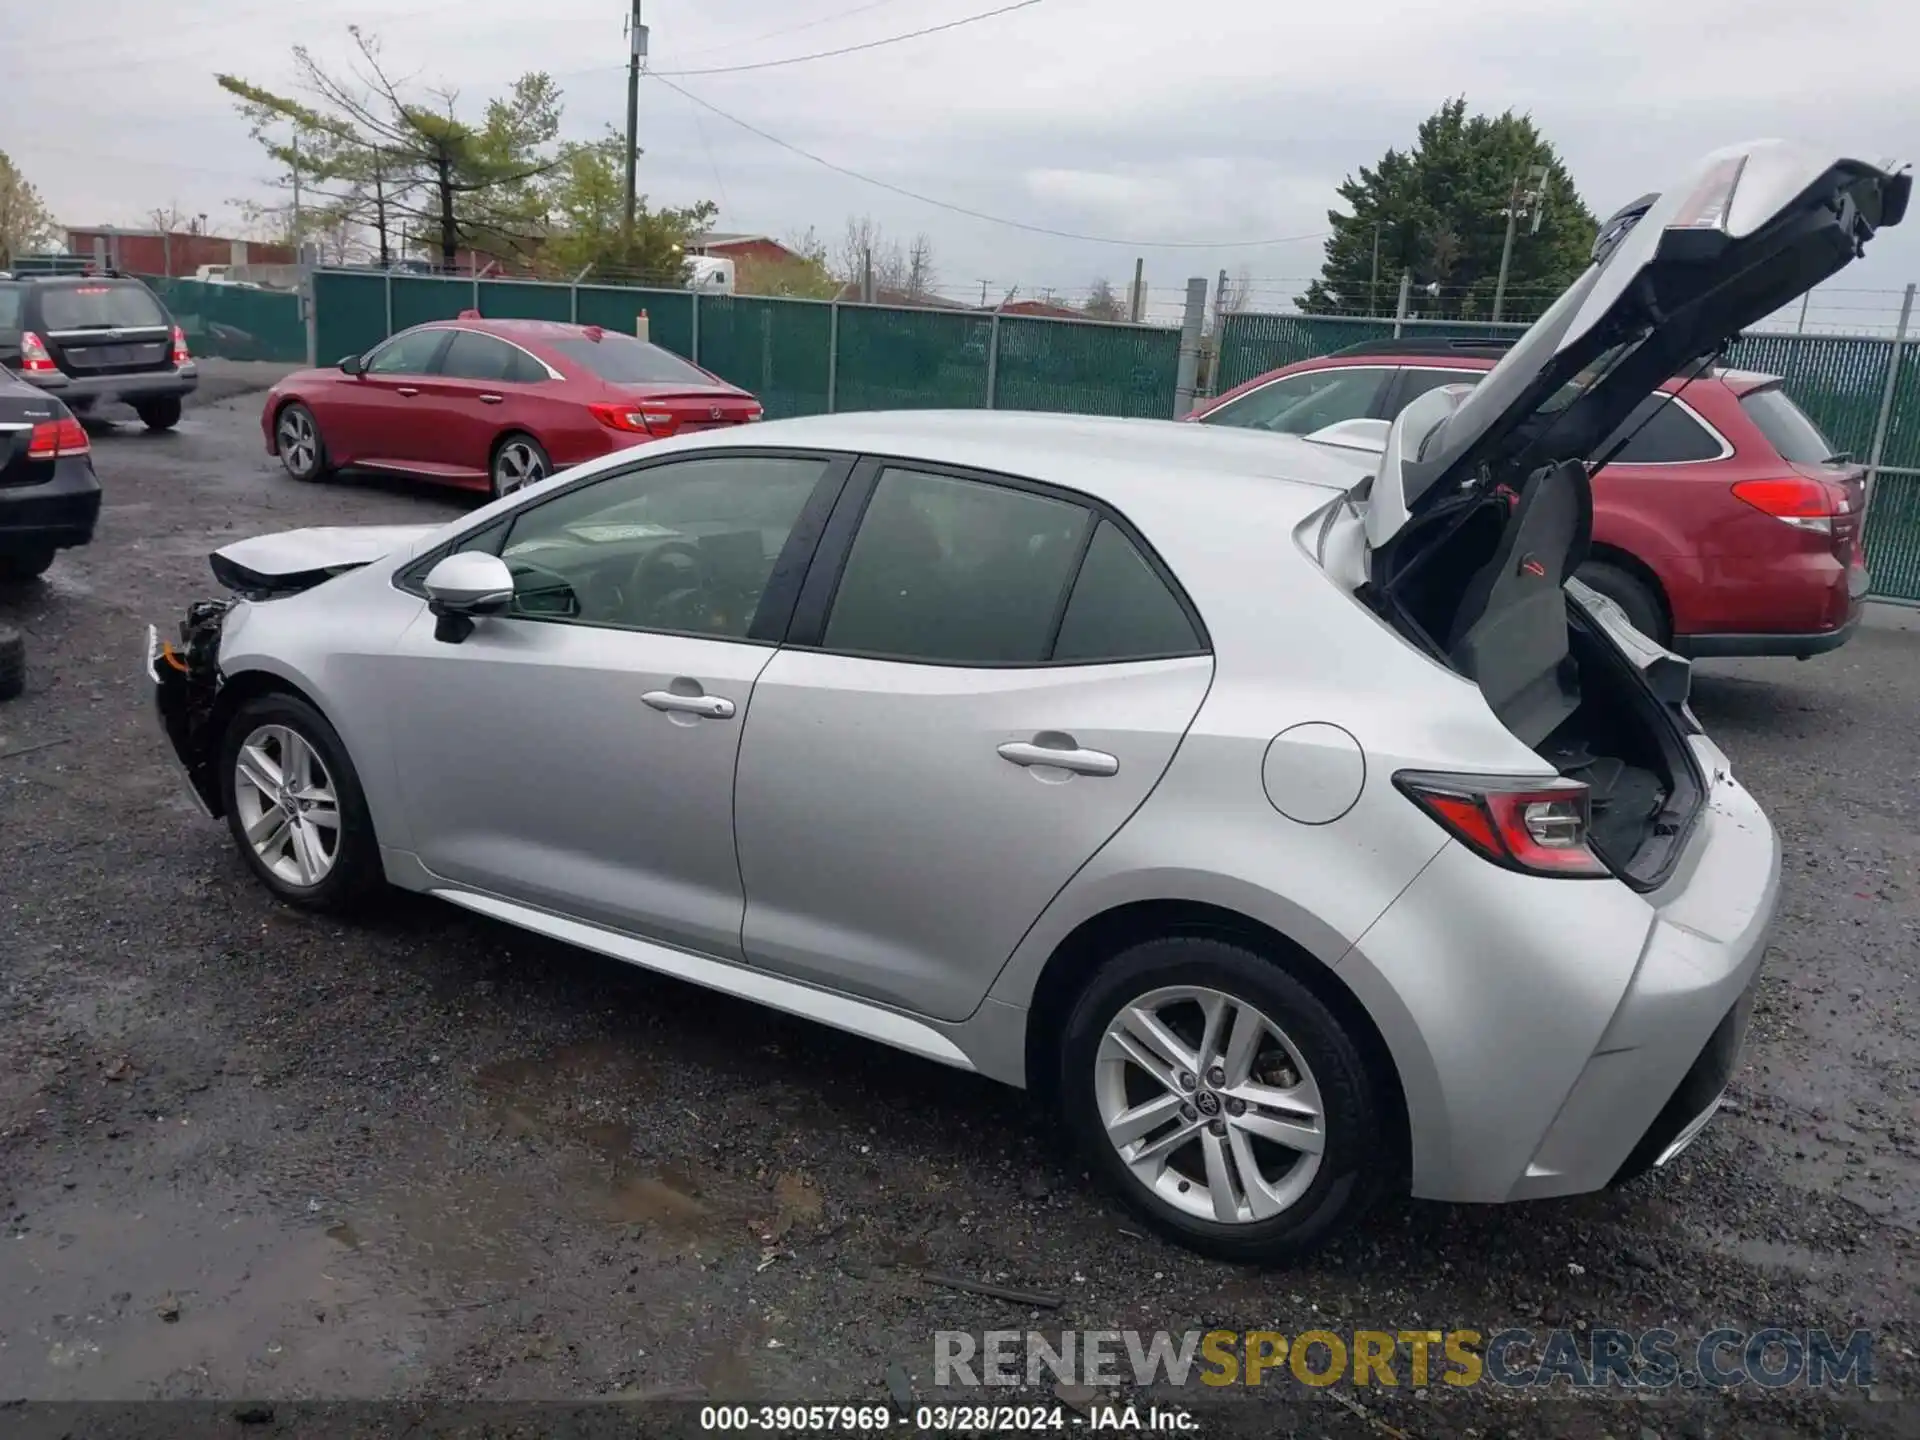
{"x": 920, "y": 275}
{"x": 1101, "y": 303}
{"x": 170, "y": 219}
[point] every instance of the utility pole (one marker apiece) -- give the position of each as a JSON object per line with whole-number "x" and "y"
{"x": 1137, "y": 302}
{"x": 636, "y": 52}
{"x": 380, "y": 211}
{"x": 1537, "y": 178}
{"x": 296, "y": 189}
{"x": 1373, "y": 286}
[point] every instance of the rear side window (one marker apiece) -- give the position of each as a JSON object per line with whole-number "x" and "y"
{"x": 1121, "y": 609}
{"x": 955, "y": 572}
{"x": 624, "y": 360}
{"x": 9, "y": 309}
{"x": 473, "y": 356}
{"x": 1301, "y": 404}
{"x": 124, "y": 306}
{"x": 1662, "y": 433}
{"x": 1787, "y": 427}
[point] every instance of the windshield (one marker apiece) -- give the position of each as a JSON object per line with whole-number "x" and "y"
{"x": 1787, "y": 427}
{"x": 100, "y": 307}
{"x": 624, "y": 360}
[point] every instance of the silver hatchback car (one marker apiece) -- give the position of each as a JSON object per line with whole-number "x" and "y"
{"x": 1276, "y": 808}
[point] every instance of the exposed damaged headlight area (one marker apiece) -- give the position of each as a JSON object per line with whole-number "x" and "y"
{"x": 187, "y": 682}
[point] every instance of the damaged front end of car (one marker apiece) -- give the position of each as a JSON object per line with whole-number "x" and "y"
{"x": 187, "y": 683}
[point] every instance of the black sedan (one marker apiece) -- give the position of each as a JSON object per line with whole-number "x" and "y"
{"x": 49, "y": 495}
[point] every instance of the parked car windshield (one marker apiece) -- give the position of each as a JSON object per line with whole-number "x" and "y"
{"x": 100, "y": 307}
{"x": 624, "y": 360}
{"x": 1787, "y": 427}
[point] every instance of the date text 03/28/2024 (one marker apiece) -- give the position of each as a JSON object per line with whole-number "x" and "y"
{"x": 938, "y": 1419}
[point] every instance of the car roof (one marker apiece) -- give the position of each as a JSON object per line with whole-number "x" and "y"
{"x": 1428, "y": 356}
{"x": 1132, "y": 464}
{"x": 521, "y": 330}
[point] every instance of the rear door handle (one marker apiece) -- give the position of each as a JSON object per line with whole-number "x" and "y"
{"x": 405, "y": 390}
{"x": 1080, "y": 762}
{"x": 710, "y": 707}
{"x": 492, "y": 399}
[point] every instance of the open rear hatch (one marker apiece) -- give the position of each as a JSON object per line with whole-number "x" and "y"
{"x": 1483, "y": 508}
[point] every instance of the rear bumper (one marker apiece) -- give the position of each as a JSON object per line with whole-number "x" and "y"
{"x": 131, "y": 389}
{"x": 1554, "y": 1036}
{"x": 1705, "y": 647}
{"x": 60, "y": 512}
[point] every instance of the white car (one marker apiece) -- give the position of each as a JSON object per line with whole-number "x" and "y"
{"x": 1274, "y": 809}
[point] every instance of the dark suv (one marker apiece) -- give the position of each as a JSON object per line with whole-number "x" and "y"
{"x": 91, "y": 339}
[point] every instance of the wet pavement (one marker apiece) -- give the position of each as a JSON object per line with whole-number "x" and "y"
{"x": 248, "y": 1153}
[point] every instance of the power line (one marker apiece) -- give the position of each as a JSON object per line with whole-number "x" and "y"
{"x": 792, "y": 29}
{"x": 854, "y": 49}
{"x": 980, "y": 214}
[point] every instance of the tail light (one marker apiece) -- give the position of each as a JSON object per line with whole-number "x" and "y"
{"x": 1797, "y": 500}
{"x": 34, "y": 359}
{"x": 180, "y": 353}
{"x": 52, "y": 439}
{"x": 754, "y": 412}
{"x": 635, "y": 421}
{"x": 1536, "y": 827}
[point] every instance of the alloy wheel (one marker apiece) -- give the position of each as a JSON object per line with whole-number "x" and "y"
{"x": 299, "y": 445}
{"x": 518, "y": 465}
{"x": 288, "y": 807}
{"x": 1209, "y": 1104}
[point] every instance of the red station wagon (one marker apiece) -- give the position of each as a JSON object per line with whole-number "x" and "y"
{"x": 1726, "y": 525}
{"x": 492, "y": 404}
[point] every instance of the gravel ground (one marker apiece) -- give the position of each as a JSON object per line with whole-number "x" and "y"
{"x": 249, "y": 1153}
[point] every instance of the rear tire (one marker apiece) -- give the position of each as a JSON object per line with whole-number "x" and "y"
{"x": 18, "y": 565}
{"x": 1632, "y": 595}
{"x": 13, "y": 662}
{"x": 519, "y": 460}
{"x": 1232, "y": 1188}
{"x": 159, "y": 414}
{"x": 298, "y": 443}
{"x": 285, "y": 777}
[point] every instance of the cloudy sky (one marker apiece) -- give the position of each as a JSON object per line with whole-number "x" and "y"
{"x": 1214, "y": 125}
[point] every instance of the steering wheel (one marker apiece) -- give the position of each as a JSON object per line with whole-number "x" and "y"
{"x": 672, "y": 576}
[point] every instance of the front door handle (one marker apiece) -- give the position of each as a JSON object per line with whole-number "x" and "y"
{"x": 1080, "y": 762}
{"x": 492, "y": 399}
{"x": 710, "y": 707}
{"x": 405, "y": 390}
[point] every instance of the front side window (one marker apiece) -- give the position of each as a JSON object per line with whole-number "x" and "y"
{"x": 408, "y": 354}
{"x": 685, "y": 547}
{"x": 956, "y": 572}
{"x": 1301, "y": 404}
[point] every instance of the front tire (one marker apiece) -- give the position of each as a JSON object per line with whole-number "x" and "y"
{"x": 519, "y": 460}
{"x": 295, "y": 805}
{"x": 296, "y": 439}
{"x": 159, "y": 414}
{"x": 1222, "y": 1100}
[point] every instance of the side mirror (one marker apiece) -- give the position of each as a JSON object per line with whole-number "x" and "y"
{"x": 350, "y": 365}
{"x": 464, "y": 585}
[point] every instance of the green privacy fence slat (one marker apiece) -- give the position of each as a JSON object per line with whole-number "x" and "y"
{"x": 911, "y": 359}
{"x": 1836, "y": 379}
{"x": 1902, "y": 448}
{"x": 349, "y": 312}
{"x": 1893, "y": 537}
{"x": 233, "y": 322}
{"x": 775, "y": 348}
{"x": 1085, "y": 369}
{"x": 522, "y": 300}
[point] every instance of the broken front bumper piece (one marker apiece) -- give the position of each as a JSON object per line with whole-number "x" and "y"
{"x": 186, "y": 691}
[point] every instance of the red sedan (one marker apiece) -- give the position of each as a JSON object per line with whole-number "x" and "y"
{"x": 492, "y": 404}
{"x": 1724, "y": 525}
